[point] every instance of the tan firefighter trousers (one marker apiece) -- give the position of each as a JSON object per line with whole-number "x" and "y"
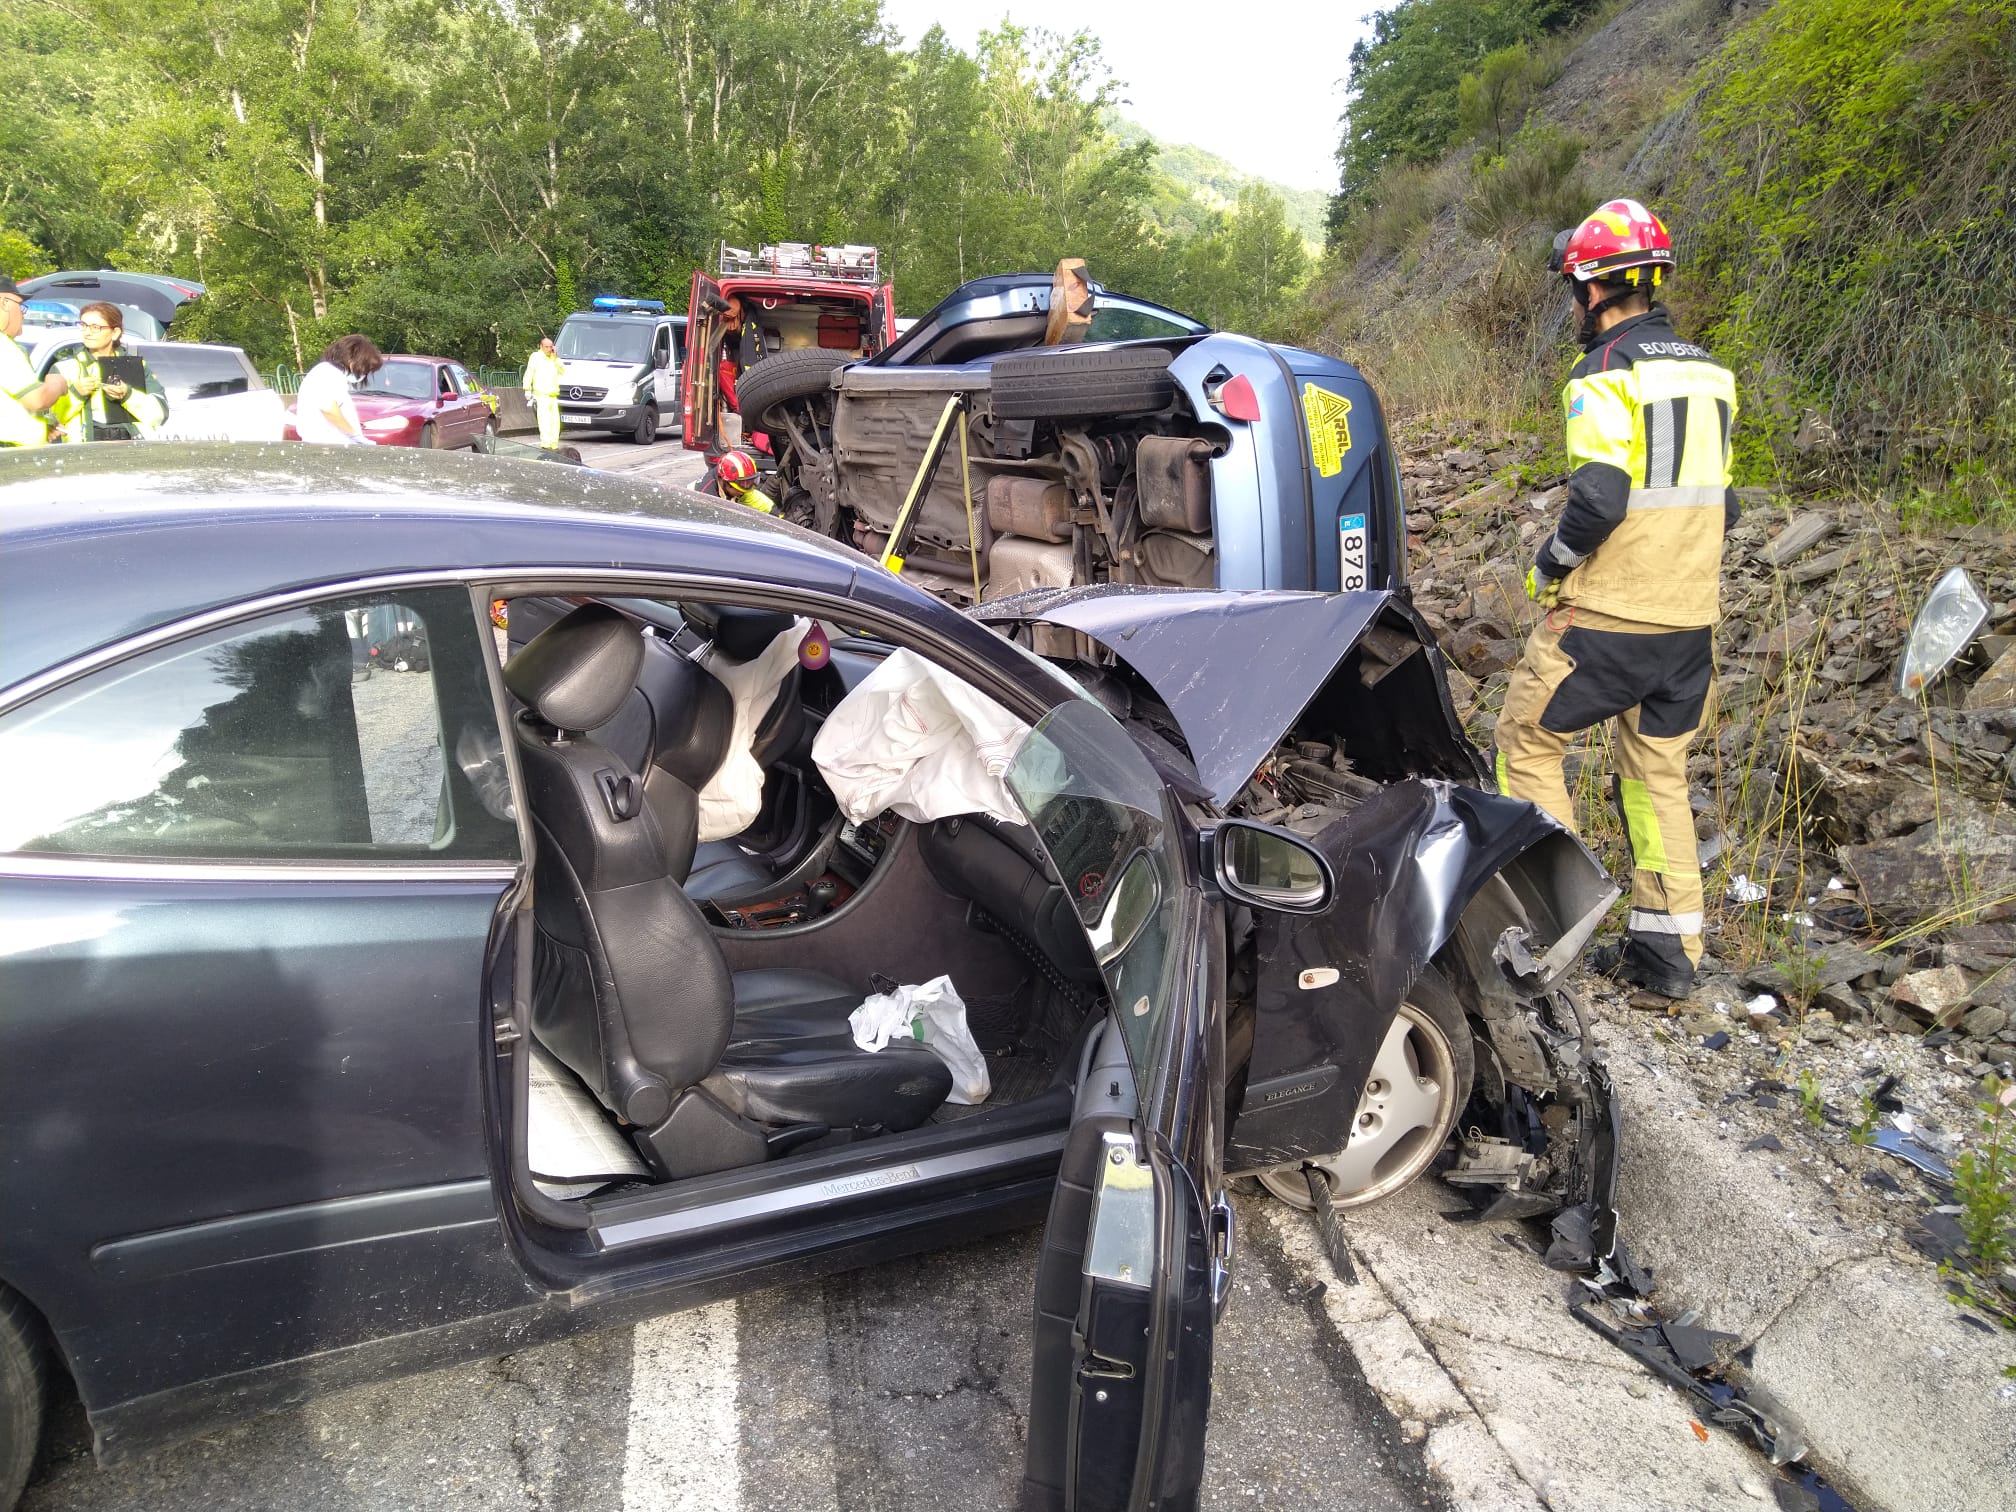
{"x": 1579, "y": 669}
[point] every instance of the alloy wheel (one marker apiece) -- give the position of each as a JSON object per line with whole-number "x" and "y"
{"x": 1406, "y": 1111}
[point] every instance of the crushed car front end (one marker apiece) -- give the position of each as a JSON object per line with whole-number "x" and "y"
{"x": 1423, "y": 1021}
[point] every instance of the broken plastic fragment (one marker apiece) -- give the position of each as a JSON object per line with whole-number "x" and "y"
{"x": 1743, "y": 890}
{"x": 1954, "y": 613}
{"x": 1904, "y": 1147}
{"x": 1760, "y": 1005}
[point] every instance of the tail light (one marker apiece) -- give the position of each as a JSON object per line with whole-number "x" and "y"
{"x": 1234, "y": 398}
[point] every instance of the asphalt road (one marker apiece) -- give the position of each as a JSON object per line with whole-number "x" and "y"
{"x": 664, "y": 461}
{"x": 904, "y": 1388}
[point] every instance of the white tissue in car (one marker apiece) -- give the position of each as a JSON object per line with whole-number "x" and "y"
{"x": 733, "y": 797}
{"x": 916, "y": 740}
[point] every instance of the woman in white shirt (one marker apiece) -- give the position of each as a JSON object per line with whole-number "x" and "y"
{"x": 323, "y": 408}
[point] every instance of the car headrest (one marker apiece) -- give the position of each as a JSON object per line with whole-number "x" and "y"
{"x": 744, "y": 634}
{"x": 576, "y": 673}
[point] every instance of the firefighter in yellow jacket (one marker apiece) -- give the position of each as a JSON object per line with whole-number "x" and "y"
{"x": 542, "y": 382}
{"x": 1631, "y": 580}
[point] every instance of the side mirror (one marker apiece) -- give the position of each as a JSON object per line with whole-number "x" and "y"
{"x": 1265, "y": 867}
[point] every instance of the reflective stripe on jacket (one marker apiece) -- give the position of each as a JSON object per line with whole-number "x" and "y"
{"x": 1648, "y": 425}
{"x": 19, "y": 425}
{"x": 86, "y": 417}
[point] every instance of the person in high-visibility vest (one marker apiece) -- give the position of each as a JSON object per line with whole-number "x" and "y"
{"x": 1631, "y": 582}
{"x": 24, "y": 398}
{"x": 98, "y": 408}
{"x": 542, "y": 382}
{"x": 736, "y": 472}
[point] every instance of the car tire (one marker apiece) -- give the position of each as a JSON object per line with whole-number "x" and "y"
{"x": 647, "y": 426}
{"x": 21, "y": 1393}
{"x": 1429, "y": 1040}
{"x": 782, "y": 377}
{"x": 426, "y": 441}
{"x": 485, "y": 443}
{"x": 1072, "y": 385}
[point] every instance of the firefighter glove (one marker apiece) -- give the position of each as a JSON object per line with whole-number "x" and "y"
{"x": 1542, "y": 589}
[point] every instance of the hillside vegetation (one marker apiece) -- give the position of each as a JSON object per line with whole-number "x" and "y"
{"x": 1838, "y": 174}
{"x": 1193, "y": 184}
{"x": 454, "y": 175}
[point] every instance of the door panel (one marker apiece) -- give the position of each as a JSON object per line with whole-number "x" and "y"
{"x": 882, "y": 319}
{"x": 179, "y": 1054}
{"x": 700, "y": 397}
{"x": 1120, "y": 1389}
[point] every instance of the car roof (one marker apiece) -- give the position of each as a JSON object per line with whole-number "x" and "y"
{"x": 418, "y": 357}
{"x": 104, "y": 542}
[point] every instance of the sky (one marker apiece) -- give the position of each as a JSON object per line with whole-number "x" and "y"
{"x": 1260, "y": 84}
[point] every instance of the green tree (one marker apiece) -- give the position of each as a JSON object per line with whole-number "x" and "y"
{"x": 1491, "y": 103}
{"x": 1246, "y": 272}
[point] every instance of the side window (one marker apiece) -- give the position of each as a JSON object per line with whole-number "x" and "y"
{"x": 464, "y": 384}
{"x": 360, "y": 729}
{"x": 1111, "y": 322}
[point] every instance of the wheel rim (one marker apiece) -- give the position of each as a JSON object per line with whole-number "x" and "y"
{"x": 1405, "y": 1113}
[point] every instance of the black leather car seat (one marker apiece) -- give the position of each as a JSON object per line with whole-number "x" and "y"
{"x": 675, "y": 729}
{"x": 629, "y": 988}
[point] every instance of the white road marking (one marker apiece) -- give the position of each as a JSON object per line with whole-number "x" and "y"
{"x": 681, "y": 1455}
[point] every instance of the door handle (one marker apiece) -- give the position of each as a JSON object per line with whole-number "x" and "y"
{"x": 1224, "y": 1240}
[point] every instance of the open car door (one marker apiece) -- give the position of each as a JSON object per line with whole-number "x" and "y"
{"x": 699, "y": 383}
{"x": 1135, "y": 1252}
{"x": 882, "y": 319}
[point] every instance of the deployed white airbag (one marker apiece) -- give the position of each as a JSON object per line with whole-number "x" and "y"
{"x": 733, "y": 797}
{"x": 917, "y": 741}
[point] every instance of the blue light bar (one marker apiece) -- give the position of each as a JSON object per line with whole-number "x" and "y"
{"x": 631, "y": 306}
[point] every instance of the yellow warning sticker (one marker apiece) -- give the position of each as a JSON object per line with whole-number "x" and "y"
{"x": 1329, "y": 417}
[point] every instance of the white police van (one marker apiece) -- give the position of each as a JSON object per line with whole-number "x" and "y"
{"x": 620, "y": 367}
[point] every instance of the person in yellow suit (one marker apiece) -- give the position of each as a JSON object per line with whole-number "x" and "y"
{"x": 1631, "y": 582}
{"x": 542, "y": 382}
{"x": 99, "y": 408}
{"x": 24, "y": 398}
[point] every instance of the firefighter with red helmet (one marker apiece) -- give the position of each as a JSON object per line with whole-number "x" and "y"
{"x": 735, "y": 471}
{"x": 1630, "y": 579}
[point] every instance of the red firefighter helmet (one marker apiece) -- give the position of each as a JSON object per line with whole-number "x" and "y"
{"x": 1621, "y": 234}
{"x": 736, "y": 470}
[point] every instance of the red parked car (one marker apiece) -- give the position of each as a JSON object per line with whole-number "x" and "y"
{"x": 423, "y": 401}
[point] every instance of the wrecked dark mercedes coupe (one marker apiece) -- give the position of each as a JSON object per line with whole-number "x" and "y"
{"x": 366, "y": 1016}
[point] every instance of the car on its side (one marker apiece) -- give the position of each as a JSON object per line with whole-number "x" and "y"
{"x": 1154, "y": 451}
{"x": 371, "y": 1011}
{"x": 214, "y": 393}
{"x": 428, "y": 402}
{"x": 619, "y": 363}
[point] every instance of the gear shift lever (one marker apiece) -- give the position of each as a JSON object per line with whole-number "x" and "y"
{"x": 820, "y": 896}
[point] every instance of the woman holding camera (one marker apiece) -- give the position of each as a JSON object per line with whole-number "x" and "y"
{"x": 112, "y": 396}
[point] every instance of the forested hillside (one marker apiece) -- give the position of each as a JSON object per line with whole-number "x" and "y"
{"x": 451, "y": 175}
{"x": 1838, "y": 175}
{"x": 1194, "y": 183}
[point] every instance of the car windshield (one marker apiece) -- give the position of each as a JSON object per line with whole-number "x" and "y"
{"x": 605, "y": 341}
{"x": 198, "y": 372}
{"x": 404, "y": 380}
